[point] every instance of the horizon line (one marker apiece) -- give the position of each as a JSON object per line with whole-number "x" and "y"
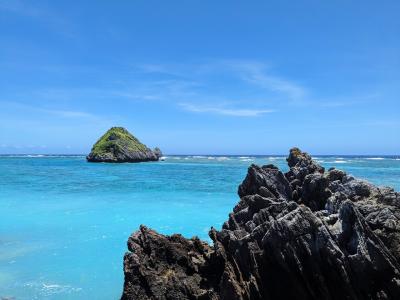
{"x": 207, "y": 154}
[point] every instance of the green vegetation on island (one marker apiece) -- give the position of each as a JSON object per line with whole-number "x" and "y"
{"x": 119, "y": 145}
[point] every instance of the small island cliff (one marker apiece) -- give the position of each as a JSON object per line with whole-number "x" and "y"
{"x": 304, "y": 234}
{"x": 117, "y": 145}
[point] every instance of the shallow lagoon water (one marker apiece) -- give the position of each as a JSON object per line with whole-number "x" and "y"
{"x": 64, "y": 222}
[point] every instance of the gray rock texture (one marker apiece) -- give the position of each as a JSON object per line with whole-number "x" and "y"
{"x": 305, "y": 234}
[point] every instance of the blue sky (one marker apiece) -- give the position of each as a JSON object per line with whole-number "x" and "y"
{"x": 201, "y": 77}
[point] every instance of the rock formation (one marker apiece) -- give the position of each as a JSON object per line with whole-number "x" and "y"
{"x": 118, "y": 145}
{"x": 305, "y": 234}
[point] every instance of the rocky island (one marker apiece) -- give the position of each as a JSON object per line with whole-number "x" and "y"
{"x": 304, "y": 234}
{"x": 117, "y": 145}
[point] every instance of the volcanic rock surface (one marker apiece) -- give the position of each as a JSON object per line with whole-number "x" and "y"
{"x": 305, "y": 234}
{"x": 118, "y": 145}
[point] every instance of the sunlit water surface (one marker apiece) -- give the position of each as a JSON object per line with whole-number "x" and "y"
{"x": 64, "y": 222}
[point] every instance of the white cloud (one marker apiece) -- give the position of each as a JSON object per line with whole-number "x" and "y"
{"x": 338, "y": 101}
{"x": 58, "y": 112}
{"x": 67, "y": 113}
{"x": 237, "y": 112}
{"x": 231, "y": 88}
{"x": 292, "y": 90}
{"x": 257, "y": 73}
{"x": 19, "y": 7}
{"x": 40, "y": 13}
{"x": 202, "y": 80}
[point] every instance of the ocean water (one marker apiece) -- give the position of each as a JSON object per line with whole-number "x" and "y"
{"x": 64, "y": 222}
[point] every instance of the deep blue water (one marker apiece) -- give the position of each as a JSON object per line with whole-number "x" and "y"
{"x": 64, "y": 222}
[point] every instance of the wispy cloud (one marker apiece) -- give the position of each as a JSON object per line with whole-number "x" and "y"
{"x": 20, "y": 7}
{"x": 67, "y": 113}
{"x": 236, "y": 112}
{"x": 226, "y": 88}
{"x": 57, "y": 112}
{"x": 225, "y": 78}
{"x": 294, "y": 91}
{"x": 348, "y": 100}
{"x": 40, "y": 13}
{"x": 172, "y": 70}
{"x": 259, "y": 74}
{"x": 243, "y": 81}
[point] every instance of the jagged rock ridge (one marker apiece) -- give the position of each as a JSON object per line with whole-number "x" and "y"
{"x": 306, "y": 234}
{"x": 118, "y": 145}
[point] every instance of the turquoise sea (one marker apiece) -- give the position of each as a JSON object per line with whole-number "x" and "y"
{"x": 64, "y": 222}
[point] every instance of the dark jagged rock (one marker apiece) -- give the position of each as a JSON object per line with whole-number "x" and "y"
{"x": 118, "y": 145}
{"x": 306, "y": 234}
{"x": 178, "y": 266}
{"x": 267, "y": 181}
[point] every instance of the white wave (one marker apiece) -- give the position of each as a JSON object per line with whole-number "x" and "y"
{"x": 51, "y": 286}
{"x": 397, "y": 159}
{"x": 23, "y": 155}
{"x": 275, "y": 157}
{"x": 247, "y": 159}
{"x": 38, "y": 156}
{"x": 222, "y": 158}
{"x": 49, "y": 289}
{"x": 244, "y": 157}
{"x": 211, "y": 157}
{"x": 320, "y": 160}
{"x": 198, "y": 156}
{"x": 340, "y": 162}
{"x": 375, "y": 158}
